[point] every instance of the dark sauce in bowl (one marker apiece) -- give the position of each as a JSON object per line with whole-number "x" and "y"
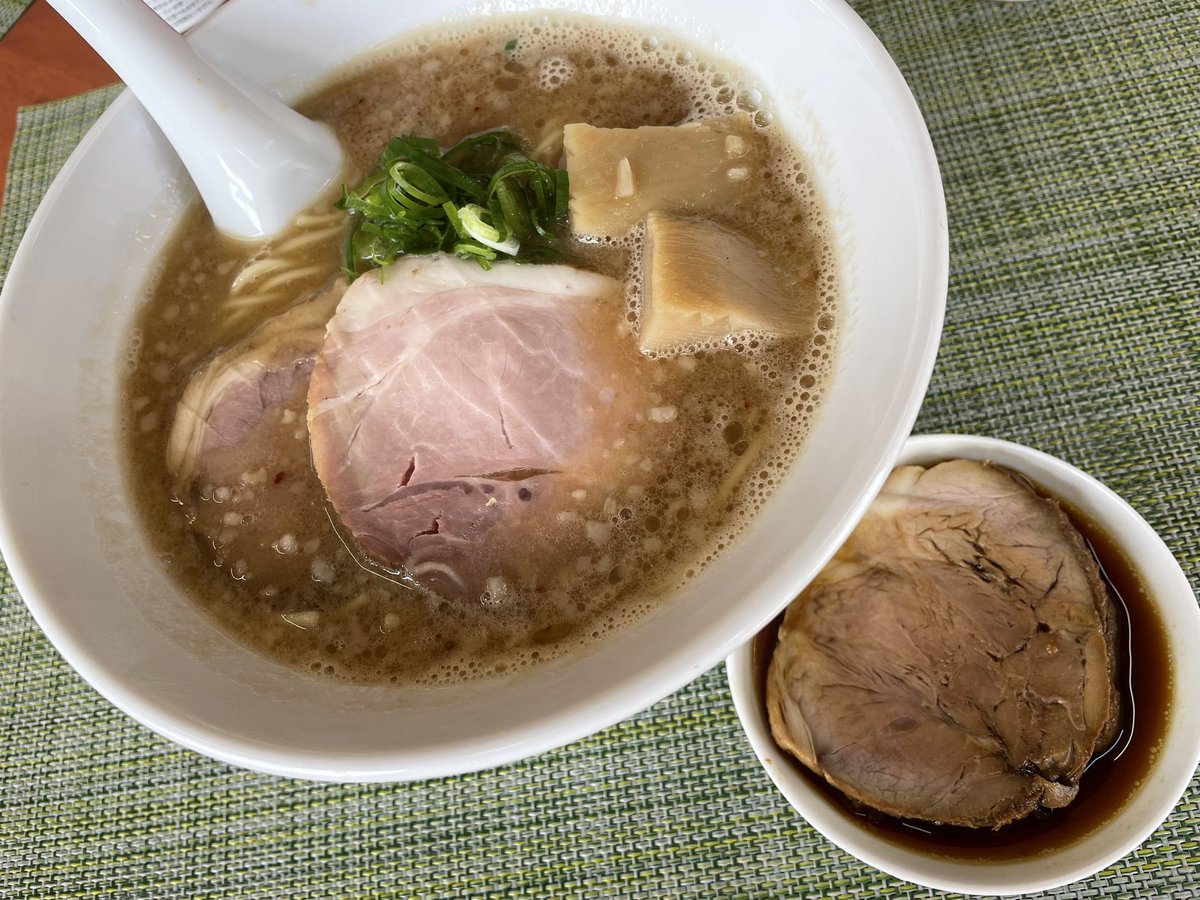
{"x": 1144, "y": 678}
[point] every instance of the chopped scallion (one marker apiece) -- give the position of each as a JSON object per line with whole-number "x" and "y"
{"x": 479, "y": 199}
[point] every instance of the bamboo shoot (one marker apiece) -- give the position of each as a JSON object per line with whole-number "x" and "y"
{"x": 702, "y": 281}
{"x": 619, "y": 175}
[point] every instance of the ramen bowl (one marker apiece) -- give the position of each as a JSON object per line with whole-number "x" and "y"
{"x": 1157, "y": 761}
{"x": 72, "y": 539}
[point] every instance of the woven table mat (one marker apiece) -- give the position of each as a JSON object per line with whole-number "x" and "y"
{"x": 1068, "y": 136}
{"x": 10, "y": 11}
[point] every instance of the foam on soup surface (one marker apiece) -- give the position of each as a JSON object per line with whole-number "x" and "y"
{"x": 712, "y": 430}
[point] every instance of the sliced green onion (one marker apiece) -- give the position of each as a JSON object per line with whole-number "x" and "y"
{"x": 418, "y": 183}
{"x": 480, "y": 198}
{"x": 475, "y": 225}
{"x": 482, "y": 255}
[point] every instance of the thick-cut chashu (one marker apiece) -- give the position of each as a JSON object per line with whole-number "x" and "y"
{"x": 225, "y": 399}
{"x": 447, "y": 400}
{"x": 238, "y": 450}
{"x": 955, "y": 662}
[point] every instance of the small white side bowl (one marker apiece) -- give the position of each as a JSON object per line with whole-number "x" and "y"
{"x": 1162, "y": 785}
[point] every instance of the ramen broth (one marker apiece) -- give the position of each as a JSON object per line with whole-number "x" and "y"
{"x": 718, "y": 426}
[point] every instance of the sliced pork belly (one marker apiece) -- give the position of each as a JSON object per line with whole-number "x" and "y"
{"x": 226, "y": 399}
{"x": 448, "y": 401}
{"x": 955, "y": 661}
{"x": 238, "y": 446}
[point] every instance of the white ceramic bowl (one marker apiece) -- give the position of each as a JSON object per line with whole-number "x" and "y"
{"x": 1162, "y": 785}
{"x": 71, "y": 539}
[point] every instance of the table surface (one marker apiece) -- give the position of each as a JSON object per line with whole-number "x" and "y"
{"x": 42, "y": 59}
{"x": 1068, "y": 136}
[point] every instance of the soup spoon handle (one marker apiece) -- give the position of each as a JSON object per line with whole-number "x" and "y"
{"x": 255, "y": 162}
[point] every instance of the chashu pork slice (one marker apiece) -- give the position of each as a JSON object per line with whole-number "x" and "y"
{"x": 238, "y": 447}
{"x": 955, "y": 661}
{"x": 452, "y": 408}
{"x": 226, "y": 399}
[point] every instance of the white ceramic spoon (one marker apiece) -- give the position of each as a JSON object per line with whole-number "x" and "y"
{"x": 256, "y": 162}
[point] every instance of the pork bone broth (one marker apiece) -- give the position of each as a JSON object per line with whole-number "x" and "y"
{"x": 704, "y": 438}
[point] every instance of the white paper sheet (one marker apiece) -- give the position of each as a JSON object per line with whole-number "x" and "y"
{"x": 183, "y": 14}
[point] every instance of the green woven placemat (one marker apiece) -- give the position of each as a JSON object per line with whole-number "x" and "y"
{"x": 10, "y": 11}
{"x": 1068, "y": 139}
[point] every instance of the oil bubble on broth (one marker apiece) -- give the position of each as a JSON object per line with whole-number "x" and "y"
{"x": 718, "y": 426}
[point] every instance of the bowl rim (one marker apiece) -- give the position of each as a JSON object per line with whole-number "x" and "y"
{"x": 1021, "y": 876}
{"x": 612, "y": 702}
